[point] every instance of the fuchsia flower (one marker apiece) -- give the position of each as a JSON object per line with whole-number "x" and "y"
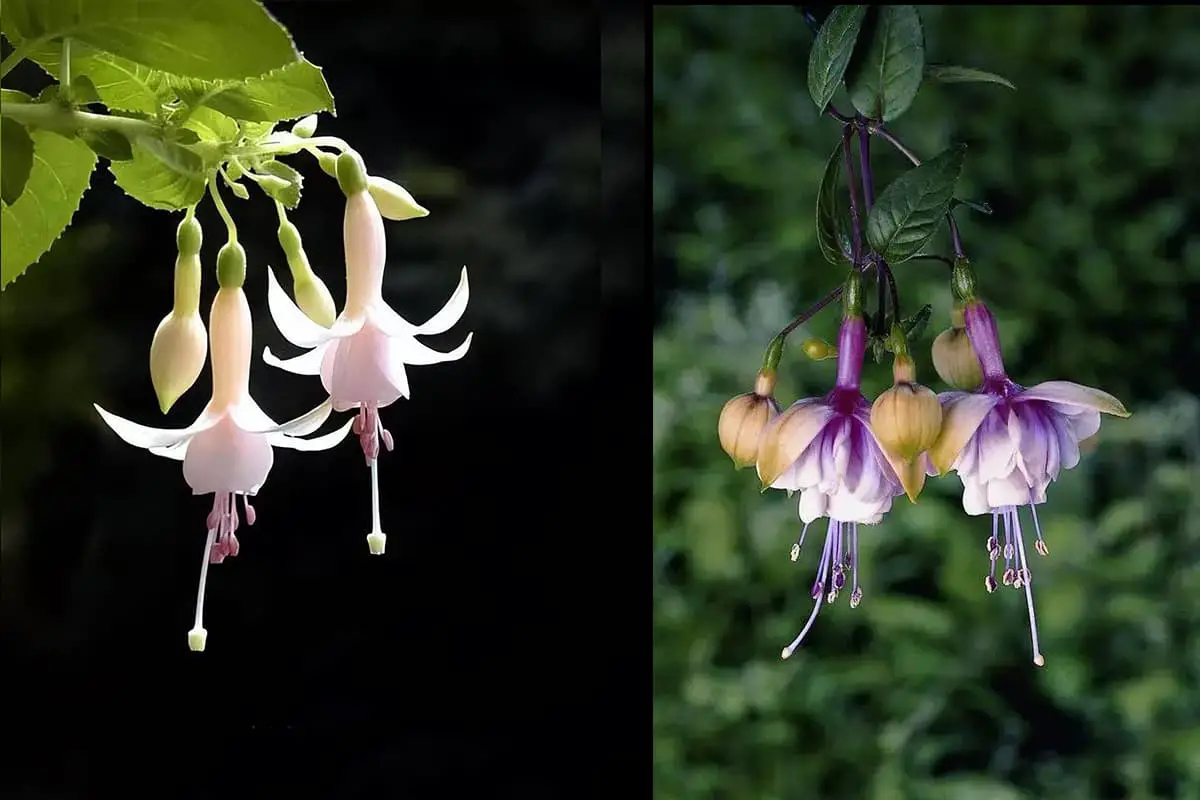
{"x": 362, "y": 358}
{"x": 228, "y": 450}
{"x": 1007, "y": 444}
{"x": 825, "y": 449}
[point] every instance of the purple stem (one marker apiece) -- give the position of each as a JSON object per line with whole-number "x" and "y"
{"x": 852, "y": 345}
{"x": 864, "y": 162}
{"x": 855, "y": 221}
{"x": 834, "y": 294}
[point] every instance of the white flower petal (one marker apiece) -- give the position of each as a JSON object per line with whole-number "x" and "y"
{"x": 146, "y": 437}
{"x": 176, "y": 452}
{"x": 1074, "y": 394}
{"x": 293, "y": 323}
{"x": 304, "y": 364}
{"x": 413, "y": 352}
{"x": 812, "y": 505}
{"x": 1010, "y": 491}
{"x": 250, "y": 417}
{"x": 451, "y": 313}
{"x": 974, "y": 497}
{"x": 324, "y": 442}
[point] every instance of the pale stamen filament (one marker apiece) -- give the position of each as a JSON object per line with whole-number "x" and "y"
{"x": 197, "y": 635}
{"x": 1023, "y": 566}
{"x": 817, "y": 592}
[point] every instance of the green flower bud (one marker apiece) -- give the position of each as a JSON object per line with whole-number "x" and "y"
{"x": 231, "y": 266}
{"x": 818, "y": 349}
{"x": 351, "y": 173}
{"x": 177, "y": 355}
{"x": 189, "y": 236}
{"x": 954, "y": 357}
{"x": 393, "y": 200}
{"x": 328, "y": 163}
{"x": 314, "y": 299}
{"x": 305, "y": 127}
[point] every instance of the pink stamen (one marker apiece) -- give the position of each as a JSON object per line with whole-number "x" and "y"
{"x": 223, "y": 521}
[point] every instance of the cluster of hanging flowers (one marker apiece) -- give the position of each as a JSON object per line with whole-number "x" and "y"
{"x": 849, "y": 458}
{"x": 360, "y": 355}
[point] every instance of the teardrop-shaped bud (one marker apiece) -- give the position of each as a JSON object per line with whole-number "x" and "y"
{"x": 177, "y": 355}
{"x": 305, "y": 127}
{"x": 394, "y": 201}
{"x": 314, "y": 299}
{"x": 955, "y": 361}
{"x": 744, "y": 418}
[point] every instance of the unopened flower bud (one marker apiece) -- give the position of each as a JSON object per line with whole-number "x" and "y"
{"x": 818, "y": 349}
{"x": 189, "y": 236}
{"x": 906, "y": 418}
{"x": 351, "y": 173}
{"x": 177, "y": 355}
{"x": 393, "y": 200}
{"x": 314, "y": 299}
{"x": 743, "y": 420}
{"x": 328, "y": 163}
{"x": 305, "y": 127}
{"x": 231, "y": 265}
{"x": 954, "y": 358}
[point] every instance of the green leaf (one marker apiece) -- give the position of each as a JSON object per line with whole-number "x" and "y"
{"x": 212, "y": 126}
{"x": 61, "y": 171}
{"x": 110, "y": 144}
{"x": 239, "y": 191}
{"x": 915, "y": 325}
{"x": 948, "y": 73}
{"x": 161, "y": 175}
{"x": 83, "y": 91}
{"x": 832, "y": 224}
{"x": 119, "y": 83}
{"x": 906, "y": 214}
{"x": 210, "y": 40}
{"x": 830, "y": 54}
{"x": 285, "y": 183}
{"x": 17, "y": 150}
{"x": 294, "y": 91}
{"x": 885, "y": 80}
{"x": 974, "y": 205}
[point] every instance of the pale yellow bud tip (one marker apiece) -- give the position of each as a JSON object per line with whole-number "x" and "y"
{"x": 741, "y": 424}
{"x": 955, "y": 361}
{"x": 393, "y": 200}
{"x": 376, "y": 542}
{"x": 197, "y": 638}
{"x": 314, "y": 299}
{"x": 177, "y": 355}
{"x": 907, "y": 419}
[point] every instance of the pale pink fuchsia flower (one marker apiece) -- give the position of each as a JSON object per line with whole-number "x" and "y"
{"x": 228, "y": 450}
{"x": 825, "y": 449}
{"x": 361, "y": 359}
{"x": 1007, "y": 443}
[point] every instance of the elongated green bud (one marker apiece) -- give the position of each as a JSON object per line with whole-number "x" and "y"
{"x": 305, "y": 127}
{"x": 393, "y": 200}
{"x": 189, "y": 236}
{"x": 231, "y": 266}
{"x": 328, "y": 163}
{"x": 310, "y": 292}
{"x": 351, "y": 173}
{"x": 852, "y": 295}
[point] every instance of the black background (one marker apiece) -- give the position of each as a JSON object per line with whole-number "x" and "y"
{"x": 503, "y": 641}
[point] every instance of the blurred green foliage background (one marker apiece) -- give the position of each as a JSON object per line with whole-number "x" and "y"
{"x": 1091, "y": 263}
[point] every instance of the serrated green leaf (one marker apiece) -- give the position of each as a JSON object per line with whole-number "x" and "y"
{"x": 906, "y": 214}
{"x": 16, "y": 149}
{"x": 13, "y": 96}
{"x": 61, "y": 171}
{"x": 212, "y": 126}
{"x": 830, "y": 54}
{"x": 948, "y": 73}
{"x": 109, "y": 144}
{"x": 287, "y": 183}
{"x": 161, "y": 175}
{"x": 210, "y": 40}
{"x": 294, "y": 91}
{"x": 832, "y": 225}
{"x": 885, "y": 80}
{"x": 120, "y": 84}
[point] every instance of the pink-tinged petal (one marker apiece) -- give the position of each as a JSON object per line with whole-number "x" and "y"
{"x": 413, "y": 352}
{"x": 950, "y": 398}
{"x": 788, "y": 435}
{"x": 960, "y": 420}
{"x": 176, "y": 452}
{"x": 366, "y": 252}
{"x": 1074, "y": 394}
{"x": 146, "y": 437}
{"x": 304, "y": 364}
{"x": 226, "y": 458}
{"x": 293, "y": 323}
{"x": 452, "y": 312}
{"x": 394, "y": 371}
{"x": 1033, "y": 434}
{"x": 842, "y": 450}
{"x": 324, "y": 442}
{"x": 249, "y": 416}
{"x": 355, "y": 369}
{"x": 1085, "y": 424}
{"x": 812, "y": 505}
{"x": 974, "y": 497}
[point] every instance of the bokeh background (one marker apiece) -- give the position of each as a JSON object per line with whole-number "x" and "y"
{"x": 329, "y": 672}
{"x": 1091, "y": 262}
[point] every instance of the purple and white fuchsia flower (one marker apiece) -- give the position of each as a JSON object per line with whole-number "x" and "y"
{"x": 361, "y": 359}
{"x": 825, "y": 449}
{"x": 1007, "y": 444}
{"x": 228, "y": 451}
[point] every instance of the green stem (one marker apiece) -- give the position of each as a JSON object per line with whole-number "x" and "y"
{"x": 281, "y": 212}
{"x": 64, "y": 67}
{"x": 55, "y": 117}
{"x": 221, "y": 209}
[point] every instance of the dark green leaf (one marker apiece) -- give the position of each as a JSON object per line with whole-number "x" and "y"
{"x": 83, "y": 91}
{"x": 974, "y": 205}
{"x": 831, "y": 52}
{"x": 907, "y": 213}
{"x": 17, "y": 150}
{"x": 61, "y": 171}
{"x": 885, "y": 80}
{"x": 947, "y": 73}
{"x": 915, "y": 325}
{"x": 833, "y": 213}
{"x": 211, "y": 40}
{"x": 110, "y": 144}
